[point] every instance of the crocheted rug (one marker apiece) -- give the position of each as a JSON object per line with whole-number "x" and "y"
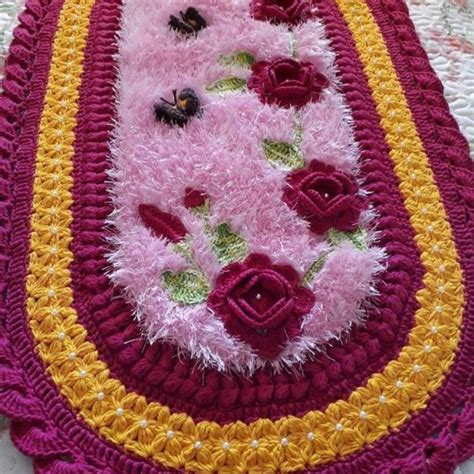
{"x": 236, "y": 237}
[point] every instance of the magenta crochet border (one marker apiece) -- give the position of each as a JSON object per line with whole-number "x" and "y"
{"x": 44, "y": 427}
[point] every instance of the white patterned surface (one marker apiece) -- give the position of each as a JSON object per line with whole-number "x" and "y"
{"x": 9, "y": 10}
{"x": 446, "y": 28}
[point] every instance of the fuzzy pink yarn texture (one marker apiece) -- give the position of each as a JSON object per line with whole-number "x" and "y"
{"x": 222, "y": 155}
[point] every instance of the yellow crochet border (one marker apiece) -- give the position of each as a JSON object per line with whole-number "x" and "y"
{"x": 290, "y": 443}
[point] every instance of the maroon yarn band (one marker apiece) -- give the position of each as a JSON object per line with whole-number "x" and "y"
{"x": 158, "y": 373}
{"x": 45, "y": 427}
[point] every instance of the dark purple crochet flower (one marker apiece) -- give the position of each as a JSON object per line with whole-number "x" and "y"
{"x": 286, "y": 82}
{"x": 261, "y": 303}
{"x": 162, "y": 224}
{"x": 290, "y": 12}
{"x": 325, "y": 197}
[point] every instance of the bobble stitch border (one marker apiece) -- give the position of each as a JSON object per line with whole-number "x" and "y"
{"x": 288, "y": 424}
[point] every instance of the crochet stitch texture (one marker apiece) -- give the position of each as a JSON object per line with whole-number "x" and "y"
{"x": 87, "y": 393}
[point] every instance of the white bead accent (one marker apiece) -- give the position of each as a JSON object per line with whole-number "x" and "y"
{"x": 55, "y": 177}
{"x": 416, "y": 368}
{"x": 54, "y": 230}
{"x": 51, "y": 293}
{"x": 53, "y": 210}
{"x": 54, "y": 312}
{"x": 100, "y": 396}
{"x": 339, "y": 427}
{"x": 198, "y": 445}
{"x": 53, "y": 250}
{"x": 143, "y": 424}
{"x": 55, "y": 193}
{"x": 258, "y": 296}
{"x": 226, "y": 446}
{"x": 56, "y": 162}
{"x": 399, "y": 384}
{"x": 382, "y": 399}
{"x": 413, "y": 176}
{"x": 82, "y": 374}
{"x": 442, "y": 268}
{"x": 435, "y": 248}
{"x": 51, "y": 271}
{"x": 254, "y": 444}
{"x": 71, "y": 356}
{"x": 430, "y": 229}
{"x": 61, "y": 336}
{"x": 427, "y": 348}
{"x": 424, "y": 210}
{"x": 441, "y": 289}
{"x": 439, "y": 308}
{"x": 119, "y": 411}
{"x": 170, "y": 434}
{"x": 434, "y": 329}
{"x": 284, "y": 441}
{"x": 362, "y": 415}
{"x": 311, "y": 436}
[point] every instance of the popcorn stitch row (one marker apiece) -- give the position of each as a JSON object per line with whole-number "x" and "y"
{"x": 146, "y": 446}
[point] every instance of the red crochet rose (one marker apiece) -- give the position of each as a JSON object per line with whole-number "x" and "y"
{"x": 261, "y": 303}
{"x": 281, "y": 11}
{"x": 286, "y": 82}
{"x": 325, "y": 197}
{"x": 194, "y": 198}
{"x": 162, "y": 224}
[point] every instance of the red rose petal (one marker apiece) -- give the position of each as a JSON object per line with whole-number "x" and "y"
{"x": 194, "y": 198}
{"x": 162, "y": 224}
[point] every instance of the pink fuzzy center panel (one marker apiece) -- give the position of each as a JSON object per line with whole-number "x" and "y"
{"x": 242, "y": 232}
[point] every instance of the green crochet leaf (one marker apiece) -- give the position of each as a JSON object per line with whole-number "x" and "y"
{"x": 228, "y": 246}
{"x": 230, "y": 84}
{"x": 313, "y": 269}
{"x": 358, "y": 238}
{"x": 201, "y": 211}
{"x": 183, "y": 248}
{"x": 239, "y": 58}
{"x": 186, "y": 287}
{"x": 283, "y": 154}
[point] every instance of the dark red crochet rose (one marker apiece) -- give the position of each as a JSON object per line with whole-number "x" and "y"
{"x": 281, "y": 11}
{"x": 260, "y": 303}
{"x": 286, "y": 82}
{"x": 325, "y": 197}
{"x": 162, "y": 224}
{"x": 194, "y": 198}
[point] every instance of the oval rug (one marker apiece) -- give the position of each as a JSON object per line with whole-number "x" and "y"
{"x": 236, "y": 237}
